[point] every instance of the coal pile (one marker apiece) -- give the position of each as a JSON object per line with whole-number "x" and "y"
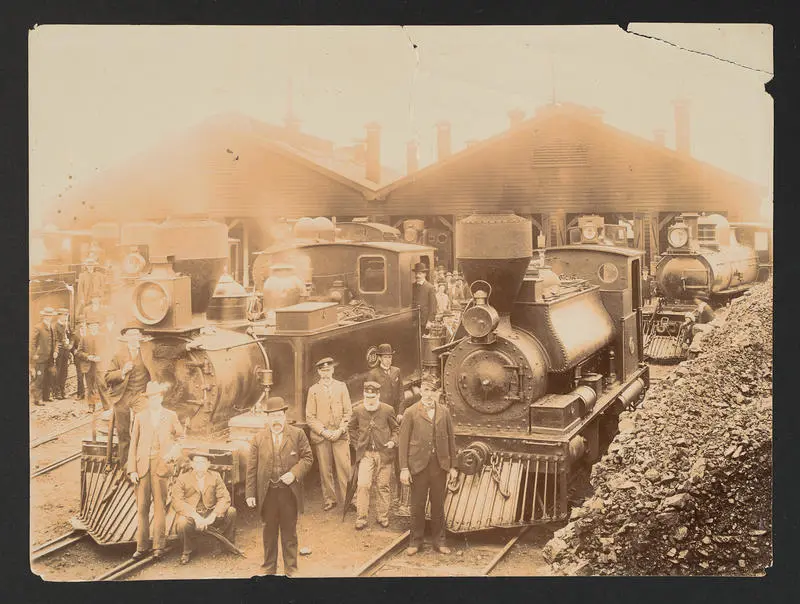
{"x": 686, "y": 486}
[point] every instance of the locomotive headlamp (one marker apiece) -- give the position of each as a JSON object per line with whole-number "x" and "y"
{"x": 479, "y": 321}
{"x": 151, "y": 302}
{"x": 678, "y": 237}
{"x": 589, "y": 232}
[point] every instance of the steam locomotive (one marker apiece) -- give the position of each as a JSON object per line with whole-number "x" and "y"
{"x": 548, "y": 355}
{"x": 221, "y": 364}
{"x": 705, "y": 261}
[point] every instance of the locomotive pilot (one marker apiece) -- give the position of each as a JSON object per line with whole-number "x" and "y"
{"x": 390, "y": 380}
{"x": 202, "y": 501}
{"x": 280, "y": 457}
{"x": 328, "y": 412}
{"x": 374, "y": 430}
{"x": 154, "y": 446}
{"x": 43, "y": 356}
{"x": 423, "y": 296}
{"x": 126, "y": 378}
{"x": 427, "y": 450}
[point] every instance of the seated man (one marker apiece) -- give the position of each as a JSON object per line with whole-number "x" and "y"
{"x": 202, "y": 501}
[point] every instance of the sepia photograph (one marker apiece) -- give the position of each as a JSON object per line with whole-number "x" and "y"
{"x": 383, "y": 301}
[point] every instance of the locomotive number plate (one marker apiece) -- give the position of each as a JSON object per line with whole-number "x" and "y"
{"x": 608, "y": 272}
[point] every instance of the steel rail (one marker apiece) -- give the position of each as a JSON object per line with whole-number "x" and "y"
{"x": 130, "y": 565}
{"x": 59, "y": 543}
{"x": 502, "y": 553}
{"x": 54, "y": 435}
{"x": 375, "y": 562}
{"x": 56, "y": 464}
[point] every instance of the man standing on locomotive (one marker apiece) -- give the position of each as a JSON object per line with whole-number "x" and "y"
{"x": 328, "y": 412}
{"x": 280, "y": 457}
{"x": 423, "y": 296}
{"x": 43, "y": 356}
{"x": 427, "y": 455}
{"x": 373, "y": 431}
{"x": 126, "y": 379}
{"x": 91, "y": 283}
{"x": 153, "y": 448}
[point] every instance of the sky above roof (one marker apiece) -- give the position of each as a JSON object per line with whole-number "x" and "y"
{"x": 99, "y": 95}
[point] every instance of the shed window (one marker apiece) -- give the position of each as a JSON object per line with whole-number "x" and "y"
{"x": 371, "y": 274}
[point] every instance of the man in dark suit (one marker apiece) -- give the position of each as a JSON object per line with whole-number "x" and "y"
{"x": 126, "y": 377}
{"x": 390, "y": 380}
{"x": 91, "y": 282}
{"x": 63, "y": 350}
{"x": 153, "y": 448}
{"x": 88, "y": 358}
{"x": 423, "y": 296}
{"x": 280, "y": 457}
{"x": 373, "y": 432}
{"x": 78, "y": 335}
{"x": 43, "y": 356}
{"x": 202, "y": 501}
{"x": 427, "y": 455}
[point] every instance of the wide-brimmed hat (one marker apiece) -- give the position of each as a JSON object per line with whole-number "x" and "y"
{"x": 325, "y": 363}
{"x": 385, "y": 349}
{"x": 201, "y": 453}
{"x": 420, "y": 268}
{"x": 275, "y": 403}
{"x": 155, "y": 388}
{"x": 48, "y": 311}
{"x": 373, "y": 387}
{"x": 133, "y": 334}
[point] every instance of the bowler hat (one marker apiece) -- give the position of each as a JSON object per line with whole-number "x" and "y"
{"x": 275, "y": 403}
{"x": 385, "y": 349}
{"x": 133, "y": 334}
{"x": 420, "y": 268}
{"x": 372, "y": 387}
{"x": 48, "y": 311}
{"x": 324, "y": 363}
{"x": 155, "y": 388}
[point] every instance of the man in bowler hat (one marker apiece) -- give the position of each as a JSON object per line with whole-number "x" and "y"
{"x": 280, "y": 457}
{"x": 423, "y": 296}
{"x": 388, "y": 376}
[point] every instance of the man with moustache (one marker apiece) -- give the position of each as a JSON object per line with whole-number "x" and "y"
{"x": 125, "y": 379}
{"x": 153, "y": 447}
{"x": 202, "y": 501}
{"x": 427, "y": 455}
{"x": 390, "y": 380}
{"x": 280, "y": 457}
{"x": 43, "y": 356}
{"x": 328, "y": 412}
{"x": 423, "y": 296}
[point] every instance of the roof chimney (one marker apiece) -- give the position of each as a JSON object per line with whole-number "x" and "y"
{"x": 659, "y": 136}
{"x": 373, "y": 159}
{"x": 682, "y": 132}
{"x": 515, "y": 117}
{"x": 412, "y": 157}
{"x": 442, "y": 140}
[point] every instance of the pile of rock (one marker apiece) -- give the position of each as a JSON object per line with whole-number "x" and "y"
{"x": 686, "y": 486}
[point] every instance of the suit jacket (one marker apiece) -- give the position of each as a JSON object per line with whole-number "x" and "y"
{"x": 63, "y": 336}
{"x": 117, "y": 386}
{"x": 424, "y": 297}
{"x": 87, "y": 346}
{"x": 391, "y": 386}
{"x": 294, "y": 456}
{"x": 379, "y": 425}
{"x": 43, "y": 343}
{"x": 329, "y": 410}
{"x": 168, "y": 429}
{"x": 416, "y": 442}
{"x": 187, "y": 498}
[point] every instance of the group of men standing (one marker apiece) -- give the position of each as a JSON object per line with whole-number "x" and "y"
{"x": 449, "y": 294}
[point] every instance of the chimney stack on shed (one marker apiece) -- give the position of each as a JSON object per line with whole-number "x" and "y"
{"x": 412, "y": 157}
{"x": 659, "y": 136}
{"x": 373, "y": 159}
{"x": 515, "y": 117}
{"x": 443, "y": 145}
{"x": 682, "y": 131}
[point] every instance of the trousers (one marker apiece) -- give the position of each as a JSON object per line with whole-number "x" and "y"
{"x": 225, "y": 524}
{"x": 62, "y": 364}
{"x": 370, "y": 468}
{"x": 431, "y": 484}
{"x": 122, "y": 424}
{"x": 42, "y": 382}
{"x": 334, "y": 455}
{"x": 151, "y": 489}
{"x": 279, "y": 514}
{"x": 81, "y": 379}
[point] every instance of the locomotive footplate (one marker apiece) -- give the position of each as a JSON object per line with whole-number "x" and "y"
{"x": 509, "y": 479}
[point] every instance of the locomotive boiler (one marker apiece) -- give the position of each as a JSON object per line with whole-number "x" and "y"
{"x": 706, "y": 262}
{"x": 220, "y": 365}
{"x": 545, "y": 360}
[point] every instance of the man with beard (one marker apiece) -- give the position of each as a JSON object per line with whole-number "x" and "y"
{"x": 280, "y": 457}
{"x": 126, "y": 378}
{"x": 423, "y": 296}
{"x": 427, "y": 454}
{"x": 373, "y": 431}
{"x": 328, "y": 411}
{"x": 202, "y": 501}
{"x": 153, "y": 448}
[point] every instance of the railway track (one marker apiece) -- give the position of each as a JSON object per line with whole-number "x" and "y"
{"x": 83, "y": 421}
{"x": 56, "y": 464}
{"x": 392, "y": 561}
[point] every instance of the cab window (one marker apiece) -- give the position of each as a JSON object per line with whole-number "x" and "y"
{"x": 371, "y": 274}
